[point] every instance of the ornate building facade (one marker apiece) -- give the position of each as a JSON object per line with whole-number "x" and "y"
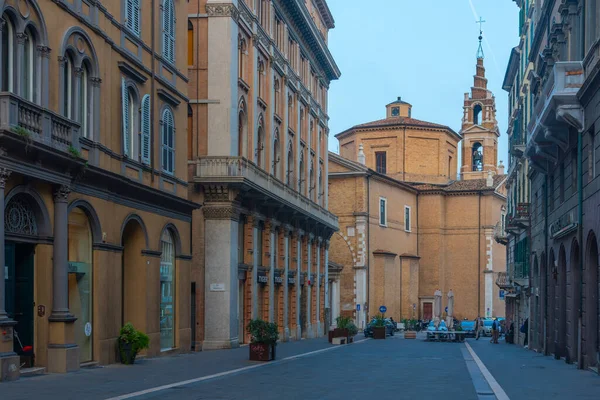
{"x": 259, "y": 75}
{"x": 562, "y": 149}
{"x": 407, "y": 226}
{"x": 93, "y": 182}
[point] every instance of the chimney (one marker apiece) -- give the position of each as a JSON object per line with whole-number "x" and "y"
{"x": 500, "y": 168}
{"x": 361, "y": 155}
{"x": 490, "y": 179}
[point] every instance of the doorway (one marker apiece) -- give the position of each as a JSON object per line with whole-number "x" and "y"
{"x": 20, "y": 303}
{"x": 427, "y": 311}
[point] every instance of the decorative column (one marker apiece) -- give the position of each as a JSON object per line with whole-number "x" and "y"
{"x": 256, "y": 253}
{"x": 286, "y": 263}
{"x": 309, "y": 328}
{"x": 63, "y": 353}
{"x": 299, "y": 235}
{"x": 9, "y": 360}
{"x": 273, "y": 264}
{"x": 18, "y": 84}
{"x": 44, "y": 74}
{"x": 221, "y": 226}
{"x": 318, "y": 293}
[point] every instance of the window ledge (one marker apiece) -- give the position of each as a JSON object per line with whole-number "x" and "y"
{"x": 131, "y": 72}
{"x": 168, "y": 97}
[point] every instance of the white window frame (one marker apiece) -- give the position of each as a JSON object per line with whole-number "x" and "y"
{"x": 409, "y": 208}
{"x": 385, "y": 224}
{"x": 132, "y": 22}
{"x": 168, "y": 120}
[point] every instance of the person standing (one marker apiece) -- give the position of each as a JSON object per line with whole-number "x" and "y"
{"x": 495, "y": 331}
{"x": 478, "y": 327}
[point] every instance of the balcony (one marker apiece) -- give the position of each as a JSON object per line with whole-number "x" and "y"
{"x": 500, "y": 234}
{"x": 23, "y": 120}
{"x": 556, "y": 110}
{"x": 517, "y": 144}
{"x": 240, "y": 172}
{"x": 503, "y": 281}
{"x": 519, "y": 273}
{"x": 522, "y": 216}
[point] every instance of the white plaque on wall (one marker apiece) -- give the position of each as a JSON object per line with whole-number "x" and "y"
{"x": 217, "y": 287}
{"x": 87, "y": 329}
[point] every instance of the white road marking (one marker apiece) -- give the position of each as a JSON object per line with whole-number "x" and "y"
{"x": 225, "y": 373}
{"x": 494, "y": 385}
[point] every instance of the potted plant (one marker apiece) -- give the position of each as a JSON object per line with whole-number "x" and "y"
{"x": 342, "y": 327}
{"x": 131, "y": 342}
{"x": 263, "y": 340}
{"x": 352, "y": 331}
{"x": 411, "y": 329}
{"x": 379, "y": 327}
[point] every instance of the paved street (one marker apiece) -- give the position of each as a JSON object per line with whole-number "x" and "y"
{"x": 313, "y": 369}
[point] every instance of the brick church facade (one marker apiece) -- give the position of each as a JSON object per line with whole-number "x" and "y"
{"x": 408, "y": 225}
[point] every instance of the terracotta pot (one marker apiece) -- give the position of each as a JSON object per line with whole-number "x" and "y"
{"x": 339, "y": 332}
{"x": 410, "y": 335}
{"x": 379, "y": 332}
{"x": 262, "y": 352}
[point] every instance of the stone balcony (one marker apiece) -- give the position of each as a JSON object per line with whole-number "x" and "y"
{"x": 557, "y": 110}
{"x": 500, "y": 234}
{"x": 503, "y": 280}
{"x": 243, "y": 173}
{"x": 24, "y": 120}
{"x": 518, "y": 273}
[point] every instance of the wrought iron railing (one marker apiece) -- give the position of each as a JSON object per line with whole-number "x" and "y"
{"x": 523, "y": 210}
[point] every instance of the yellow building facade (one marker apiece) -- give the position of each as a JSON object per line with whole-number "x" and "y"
{"x": 93, "y": 181}
{"x": 408, "y": 226}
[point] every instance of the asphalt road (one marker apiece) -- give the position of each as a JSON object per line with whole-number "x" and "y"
{"x": 394, "y": 368}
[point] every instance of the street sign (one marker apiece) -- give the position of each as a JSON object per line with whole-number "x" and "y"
{"x": 414, "y": 306}
{"x": 446, "y": 309}
{"x": 382, "y": 309}
{"x": 501, "y": 294}
{"x": 358, "y": 307}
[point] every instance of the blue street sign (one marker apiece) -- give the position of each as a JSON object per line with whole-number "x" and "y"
{"x": 382, "y": 309}
{"x": 446, "y": 309}
{"x": 501, "y": 293}
{"x": 358, "y": 307}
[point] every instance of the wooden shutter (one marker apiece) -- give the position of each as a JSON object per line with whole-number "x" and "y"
{"x": 145, "y": 129}
{"x": 136, "y": 16}
{"x": 169, "y": 30}
{"x": 126, "y": 119}
{"x": 129, "y": 14}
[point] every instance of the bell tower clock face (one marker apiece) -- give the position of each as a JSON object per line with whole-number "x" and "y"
{"x": 395, "y": 111}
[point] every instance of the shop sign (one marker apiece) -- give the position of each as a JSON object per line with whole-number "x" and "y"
{"x": 291, "y": 280}
{"x": 278, "y": 279}
{"x": 262, "y": 278}
{"x": 563, "y": 225}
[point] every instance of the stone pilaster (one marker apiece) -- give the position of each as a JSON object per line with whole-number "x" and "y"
{"x": 63, "y": 353}
{"x": 309, "y": 327}
{"x": 286, "y": 263}
{"x": 318, "y": 291}
{"x": 273, "y": 264}
{"x": 298, "y": 234}
{"x": 328, "y": 316}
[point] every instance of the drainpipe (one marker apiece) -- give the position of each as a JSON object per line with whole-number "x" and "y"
{"x": 152, "y": 101}
{"x": 580, "y": 240}
{"x": 404, "y": 156}
{"x": 368, "y": 255}
{"x": 547, "y": 265}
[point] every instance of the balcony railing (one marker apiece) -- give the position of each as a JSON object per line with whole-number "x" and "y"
{"x": 500, "y": 233}
{"x": 503, "y": 280}
{"x": 519, "y": 273}
{"x": 523, "y": 210}
{"x": 239, "y": 170}
{"x": 37, "y": 123}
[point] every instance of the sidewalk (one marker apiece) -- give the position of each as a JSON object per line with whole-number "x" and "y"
{"x": 117, "y": 379}
{"x": 525, "y": 374}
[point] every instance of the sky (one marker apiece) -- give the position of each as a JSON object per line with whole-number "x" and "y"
{"x": 424, "y": 51}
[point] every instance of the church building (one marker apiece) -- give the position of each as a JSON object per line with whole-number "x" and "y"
{"x": 412, "y": 219}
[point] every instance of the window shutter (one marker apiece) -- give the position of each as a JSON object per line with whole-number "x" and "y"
{"x": 136, "y": 16}
{"x": 168, "y": 30}
{"x": 129, "y": 14}
{"x": 126, "y": 121}
{"x": 146, "y": 129}
{"x": 172, "y": 31}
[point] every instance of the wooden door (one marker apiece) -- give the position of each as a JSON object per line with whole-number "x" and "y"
{"x": 427, "y": 311}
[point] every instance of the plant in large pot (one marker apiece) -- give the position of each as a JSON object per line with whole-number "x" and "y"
{"x": 263, "y": 339}
{"x": 342, "y": 324}
{"x": 410, "y": 329}
{"x": 131, "y": 342}
{"x": 379, "y": 327}
{"x": 352, "y": 331}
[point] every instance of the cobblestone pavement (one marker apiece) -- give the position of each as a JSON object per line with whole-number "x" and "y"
{"x": 313, "y": 369}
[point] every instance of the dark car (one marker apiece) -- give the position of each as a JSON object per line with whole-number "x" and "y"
{"x": 468, "y": 327}
{"x": 389, "y": 328}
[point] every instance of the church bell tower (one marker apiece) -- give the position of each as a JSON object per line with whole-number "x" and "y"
{"x": 479, "y": 129}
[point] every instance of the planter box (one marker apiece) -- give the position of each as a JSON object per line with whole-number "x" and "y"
{"x": 126, "y": 353}
{"x": 330, "y": 335}
{"x": 379, "y": 332}
{"x": 338, "y": 332}
{"x": 410, "y": 335}
{"x": 262, "y": 352}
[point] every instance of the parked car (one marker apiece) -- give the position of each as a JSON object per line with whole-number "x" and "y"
{"x": 487, "y": 326}
{"x": 468, "y": 327}
{"x": 389, "y": 328}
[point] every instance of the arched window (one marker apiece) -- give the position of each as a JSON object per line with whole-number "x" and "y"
{"x": 190, "y": 43}
{"x": 476, "y": 114}
{"x": 260, "y": 144}
{"x": 129, "y": 101}
{"x": 276, "y": 153}
{"x": 242, "y": 130}
{"x": 290, "y": 165}
{"x": 241, "y": 56}
{"x": 168, "y": 142}
{"x": 190, "y": 132}
{"x": 311, "y": 182}
{"x": 167, "y": 291}
{"x": 29, "y": 65}
{"x": 277, "y": 95}
{"x": 132, "y": 16}
{"x": 301, "y": 174}
{"x": 168, "y": 28}
{"x": 84, "y": 96}
{"x": 68, "y": 85}
{"x": 261, "y": 79}
{"x": 320, "y": 193}
{"x": 477, "y": 157}
{"x": 8, "y": 53}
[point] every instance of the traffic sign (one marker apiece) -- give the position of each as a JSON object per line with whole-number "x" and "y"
{"x": 382, "y": 309}
{"x": 358, "y": 307}
{"x": 446, "y": 309}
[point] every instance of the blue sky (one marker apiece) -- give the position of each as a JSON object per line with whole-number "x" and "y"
{"x": 424, "y": 51}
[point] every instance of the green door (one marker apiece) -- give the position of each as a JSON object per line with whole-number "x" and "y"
{"x": 9, "y": 278}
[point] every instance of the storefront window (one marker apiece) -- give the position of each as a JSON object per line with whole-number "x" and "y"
{"x": 80, "y": 281}
{"x": 167, "y": 292}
